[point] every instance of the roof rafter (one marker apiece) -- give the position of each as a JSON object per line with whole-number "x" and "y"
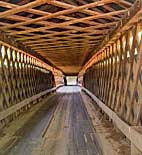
{"x": 67, "y": 28}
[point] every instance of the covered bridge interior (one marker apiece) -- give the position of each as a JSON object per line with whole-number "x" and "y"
{"x": 97, "y": 41}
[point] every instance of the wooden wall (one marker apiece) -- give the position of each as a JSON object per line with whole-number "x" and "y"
{"x": 21, "y": 76}
{"x": 116, "y": 76}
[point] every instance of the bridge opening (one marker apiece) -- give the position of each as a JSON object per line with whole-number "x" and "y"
{"x": 71, "y": 80}
{"x": 70, "y": 77}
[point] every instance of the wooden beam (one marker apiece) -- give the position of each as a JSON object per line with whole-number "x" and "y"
{"x": 64, "y": 24}
{"x": 39, "y": 12}
{"x": 64, "y": 12}
{"x": 23, "y": 8}
{"x": 86, "y": 11}
{"x": 134, "y": 15}
{"x": 124, "y": 3}
{"x": 88, "y": 29}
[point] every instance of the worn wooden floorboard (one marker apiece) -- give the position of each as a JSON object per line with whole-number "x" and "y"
{"x": 69, "y": 133}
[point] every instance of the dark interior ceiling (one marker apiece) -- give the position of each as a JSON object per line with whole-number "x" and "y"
{"x": 65, "y": 32}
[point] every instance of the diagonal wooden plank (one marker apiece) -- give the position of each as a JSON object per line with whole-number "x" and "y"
{"x": 90, "y": 28}
{"x": 107, "y": 7}
{"x": 43, "y": 23}
{"x": 38, "y": 12}
{"x": 64, "y": 12}
{"x": 64, "y": 24}
{"x": 86, "y": 11}
{"x": 23, "y": 8}
{"x": 124, "y": 3}
{"x": 71, "y": 43}
{"x": 135, "y": 14}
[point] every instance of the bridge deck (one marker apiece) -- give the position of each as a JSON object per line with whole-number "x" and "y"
{"x": 63, "y": 128}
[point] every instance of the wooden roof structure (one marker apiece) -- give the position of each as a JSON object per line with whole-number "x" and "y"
{"x": 65, "y": 32}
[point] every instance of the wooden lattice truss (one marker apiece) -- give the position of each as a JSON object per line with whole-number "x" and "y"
{"x": 64, "y": 32}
